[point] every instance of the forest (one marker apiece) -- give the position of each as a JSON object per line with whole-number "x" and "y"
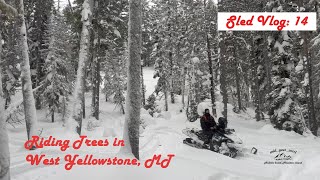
{"x": 63, "y": 59}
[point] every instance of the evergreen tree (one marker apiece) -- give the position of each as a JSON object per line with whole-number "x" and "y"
{"x": 28, "y": 97}
{"x": 114, "y": 79}
{"x": 133, "y": 99}
{"x": 59, "y": 71}
{"x": 4, "y": 139}
{"x": 78, "y": 100}
{"x": 285, "y": 98}
{"x": 38, "y": 37}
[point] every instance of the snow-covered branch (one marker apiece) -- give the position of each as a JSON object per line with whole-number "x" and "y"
{"x": 15, "y": 107}
{"x": 8, "y": 9}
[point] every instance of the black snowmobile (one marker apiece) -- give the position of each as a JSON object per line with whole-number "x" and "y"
{"x": 223, "y": 141}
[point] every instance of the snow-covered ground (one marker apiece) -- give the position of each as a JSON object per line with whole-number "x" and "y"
{"x": 164, "y": 136}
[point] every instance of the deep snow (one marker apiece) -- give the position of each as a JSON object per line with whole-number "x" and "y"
{"x": 163, "y": 136}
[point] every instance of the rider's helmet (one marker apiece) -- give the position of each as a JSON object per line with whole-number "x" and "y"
{"x": 222, "y": 122}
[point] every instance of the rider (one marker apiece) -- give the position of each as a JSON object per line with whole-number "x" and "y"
{"x": 222, "y": 124}
{"x": 208, "y": 125}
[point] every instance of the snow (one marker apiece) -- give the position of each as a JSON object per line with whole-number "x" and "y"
{"x": 280, "y": 47}
{"x": 164, "y": 136}
{"x": 116, "y": 32}
{"x": 64, "y": 3}
{"x": 287, "y": 82}
{"x": 319, "y": 92}
{"x": 306, "y": 80}
{"x": 86, "y": 11}
{"x": 301, "y": 41}
{"x": 299, "y": 67}
{"x": 270, "y": 40}
{"x": 285, "y": 108}
{"x": 195, "y": 60}
{"x": 203, "y": 106}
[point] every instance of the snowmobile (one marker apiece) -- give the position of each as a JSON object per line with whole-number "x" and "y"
{"x": 226, "y": 143}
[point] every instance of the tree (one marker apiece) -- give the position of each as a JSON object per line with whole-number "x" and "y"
{"x": 108, "y": 41}
{"x": 209, "y": 18}
{"x": 59, "y": 71}
{"x": 10, "y": 60}
{"x": 115, "y": 77}
{"x": 258, "y": 73}
{"x": 38, "y": 40}
{"x": 28, "y": 98}
{"x": 306, "y": 55}
{"x": 78, "y": 96}
{"x": 133, "y": 99}
{"x": 95, "y": 64}
{"x": 223, "y": 74}
{"x": 284, "y": 107}
{"x": 236, "y": 51}
{"x": 4, "y": 140}
{"x": 164, "y": 48}
{"x": 315, "y": 56}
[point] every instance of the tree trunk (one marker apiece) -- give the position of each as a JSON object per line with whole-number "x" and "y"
{"x": 212, "y": 86}
{"x": 257, "y": 99}
{"x": 268, "y": 65}
{"x": 183, "y": 84}
{"x": 28, "y": 98}
{"x": 83, "y": 106}
{"x": 4, "y": 140}
{"x": 171, "y": 77}
{"x": 52, "y": 115}
{"x": 95, "y": 78}
{"x": 237, "y": 77}
{"x": 133, "y": 99}
{"x": 311, "y": 108}
{"x": 64, "y": 108}
{"x": 312, "y": 115}
{"x": 223, "y": 85}
{"x": 255, "y": 86}
{"x": 165, "y": 91}
{"x": 143, "y": 91}
{"x": 39, "y": 69}
{"x": 93, "y": 69}
{"x": 78, "y": 99}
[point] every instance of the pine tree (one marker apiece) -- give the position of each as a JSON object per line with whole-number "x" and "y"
{"x": 286, "y": 109}
{"x": 10, "y": 62}
{"x": 133, "y": 99}
{"x": 78, "y": 99}
{"x": 4, "y": 139}
{"x": 211, "y": 34}
{"x": 95, "y": 61}
{"x": 223, "y": 74}
{"x": 28, "y": 98}
{"x": 258, "y": 74}
{"x": 115, "y": 78}
{"x": 164, "y": 50}
{"x": 38, "y": 35}
{"x": 59, "y": 71}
